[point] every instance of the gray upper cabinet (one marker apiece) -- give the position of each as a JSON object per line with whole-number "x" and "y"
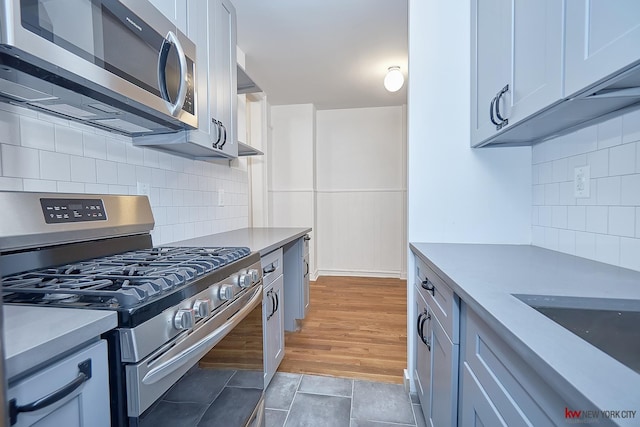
{"x": 602, "y": 38}
{"x": 211, "y": 25}
{"x": 516, "y": 63}
{"x": 214, "y": 33}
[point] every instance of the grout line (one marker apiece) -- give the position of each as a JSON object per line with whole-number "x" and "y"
{"x": 292, "y": 400}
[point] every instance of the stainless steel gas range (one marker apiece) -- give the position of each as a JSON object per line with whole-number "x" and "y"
{"x": 188, "y": 349}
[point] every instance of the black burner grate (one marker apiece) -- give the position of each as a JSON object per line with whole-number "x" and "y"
{"x": 122, "y": 280}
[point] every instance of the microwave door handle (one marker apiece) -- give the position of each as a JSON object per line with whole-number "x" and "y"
{"x": 203, "y": 346}
{"x": 171, "y": 39}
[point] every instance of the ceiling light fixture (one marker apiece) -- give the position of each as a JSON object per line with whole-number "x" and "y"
{"x": 394, "y": 79}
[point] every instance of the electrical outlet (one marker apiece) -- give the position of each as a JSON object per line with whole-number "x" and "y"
{"x": 144, "y": 189}
{"x": 581, "y": 181}
{"x": 220, "y": 197}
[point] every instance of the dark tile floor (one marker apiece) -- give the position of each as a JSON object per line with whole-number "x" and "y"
{"x": 294, "y": 400}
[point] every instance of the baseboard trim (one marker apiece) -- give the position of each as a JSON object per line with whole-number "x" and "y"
{"x": 361, "y": 273}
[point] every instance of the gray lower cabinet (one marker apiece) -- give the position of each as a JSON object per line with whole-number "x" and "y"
{"x": 296, "y": 282}
{"x": 86, "y": 405}
{"x": 272, "y": 312}
{"x": 437, "y": 355}
{"x": 497, "y": 386}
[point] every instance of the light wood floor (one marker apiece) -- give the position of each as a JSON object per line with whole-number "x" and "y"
{"x": 356, "y": 327}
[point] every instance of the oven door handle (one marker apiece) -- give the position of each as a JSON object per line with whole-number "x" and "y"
{"x": 204, "y": 345}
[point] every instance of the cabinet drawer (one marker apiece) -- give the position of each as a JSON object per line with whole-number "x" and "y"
{"x": 520, "y": 395}
{"x": 271, "y": 266}
{"x": 444, "y": 304}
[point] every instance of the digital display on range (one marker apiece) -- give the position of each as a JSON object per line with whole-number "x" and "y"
{"x": 57, "y": 211}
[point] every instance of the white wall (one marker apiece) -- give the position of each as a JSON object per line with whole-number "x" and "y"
{"x": 39, "y": 152}
{"x": 360, "y": 163}
{"x": 455, "y": 194}
{"x": 606, "y": 226}
{"x": 291, "y": 170}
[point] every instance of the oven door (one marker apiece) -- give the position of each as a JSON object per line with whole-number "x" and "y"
{"x": 212, "y": 376}
{"x": 125, "y": 46}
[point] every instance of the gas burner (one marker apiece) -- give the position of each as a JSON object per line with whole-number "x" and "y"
{"x": 123, "y": 280}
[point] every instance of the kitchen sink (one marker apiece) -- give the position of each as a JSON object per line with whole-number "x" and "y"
{"x": 611, "y": 325}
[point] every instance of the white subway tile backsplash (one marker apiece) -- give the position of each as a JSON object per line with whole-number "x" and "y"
{"x": 94, "y": 146}
{"x": 629, "y": 253}
{"x": 560, "y": 169}
{"x": 567, "y": 241}
{"x": 577, "y": 218}
{"x": 546, "y": 173}
{"x": 9, "y": 129}
{"x": 68, "y": 140}
{"x": 70, "y": 187}
{"x": 552, "y": 194}
{"x": 606, "y": 225}
{"x": 106, "y": 172}
{"x": 622, "y": 221}
{"x": 559, "y": 218}
{"x": 610, "y": 133}
{"x": 135, "y": 155}
{"x": 585, "y": 245}
{"x": 608, "y": 249}
{"x": 20, "y": 162}
{"x": 83, "y": 169}
{"x": 622, "y": 159}
{"x": 36, "y": 133}
{"x": 39, "y": 185}
{"x": 630, "y": 190}
{"x": 45, "y": 153}
{"x": 608, "y": 190}
{"x": 126, "y": 174}
{"x": 535, "y": 174}
{"x": 597, "y": 219}
{"x": 55, "y": 166}
{"x": 96, "y": 188}
{"x": 631, "y": 127}
{"x": 598, "y": 162}
{"x": 116, "y": 150}
{"x": 10, "y": 184}
{"x": 567, "y": 196}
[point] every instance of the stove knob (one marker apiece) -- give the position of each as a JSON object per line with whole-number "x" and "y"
{"x": 226, "y": 292}
{"x": 254, "y": 275}
{"x": 184, "y": 319}
{"x": 202, "y": 308}
{"x": 244, "y": 281}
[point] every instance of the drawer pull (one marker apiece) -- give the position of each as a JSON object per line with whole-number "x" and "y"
{"x": 428, "y": 285}
{"x": 269, "y": 269}
{"x": 61, "y": 393}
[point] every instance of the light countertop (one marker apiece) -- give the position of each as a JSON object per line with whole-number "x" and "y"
{"x": 486, "y": 277}
{"x": 35, "y": 335}
{"x": 263, "y": 240}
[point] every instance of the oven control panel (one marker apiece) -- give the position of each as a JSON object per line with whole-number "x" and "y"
{"x": 58, "y": 211}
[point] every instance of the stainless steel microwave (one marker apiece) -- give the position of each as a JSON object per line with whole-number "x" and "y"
{"x": 118, "y": 65}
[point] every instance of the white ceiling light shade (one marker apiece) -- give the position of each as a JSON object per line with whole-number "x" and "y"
{"x": 394, "y": 79}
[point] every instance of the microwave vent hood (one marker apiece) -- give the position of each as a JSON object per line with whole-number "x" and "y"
{"x": 54, "y": 91}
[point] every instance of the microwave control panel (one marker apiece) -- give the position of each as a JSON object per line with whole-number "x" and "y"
{"x": 58, "y": 211}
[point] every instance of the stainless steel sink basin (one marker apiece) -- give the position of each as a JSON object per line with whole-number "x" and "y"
{"x": 611, "y": 325}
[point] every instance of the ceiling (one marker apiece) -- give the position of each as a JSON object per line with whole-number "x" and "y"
{"x": 331, "y": 53}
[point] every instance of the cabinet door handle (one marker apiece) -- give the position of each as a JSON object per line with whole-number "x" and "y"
{"x": 492, "y": 107}
{"x": 503, "y": 120}
{"x": 306, "y": 238}
{"x": 273, "y": 304}
{"x": 277, "y": 298}
{"x": 84, "y": 374}
{"x": 422, "y": 318}
{"x": 224, "y": 137}
{"x": 427, "y": 340}
{"x": 429, "y": 286}
{"x": 218, "y": 132}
